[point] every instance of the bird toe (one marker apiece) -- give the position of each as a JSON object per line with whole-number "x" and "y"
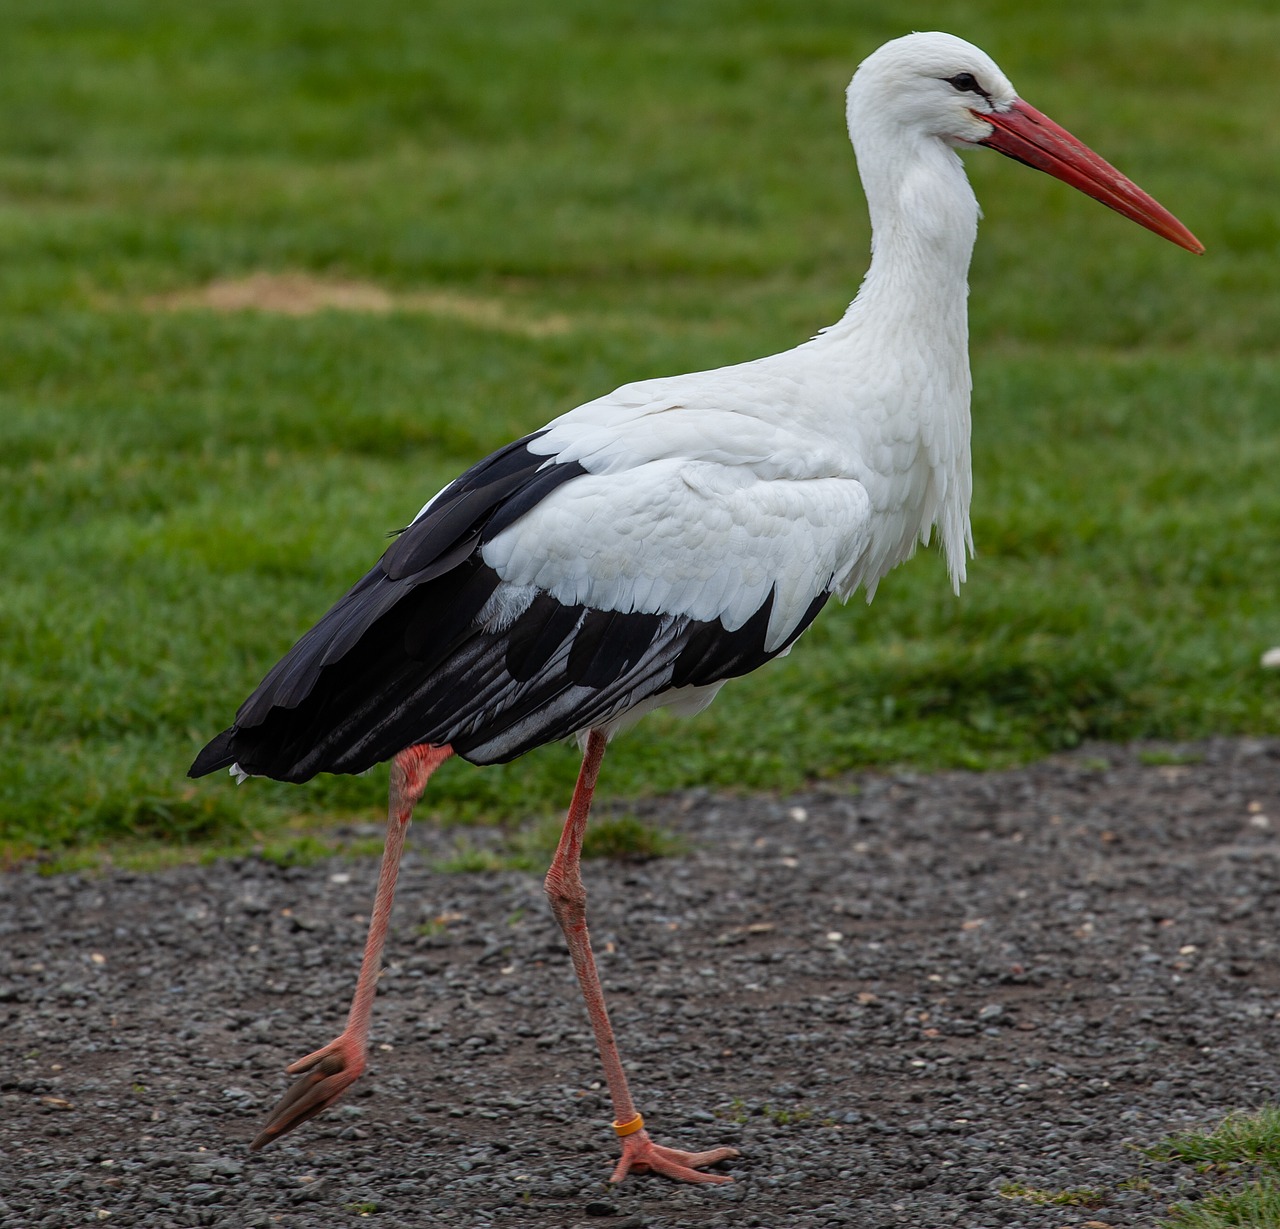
{"x": 324, "y": 1076}
{"x": 641, "y": 1155}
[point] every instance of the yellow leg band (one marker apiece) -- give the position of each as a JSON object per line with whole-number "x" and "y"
{"x": 628, "y": 1128}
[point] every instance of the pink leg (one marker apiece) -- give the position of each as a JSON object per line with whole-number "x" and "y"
{"x": 330, "y": 1071}
{"x": 569, "y": 903}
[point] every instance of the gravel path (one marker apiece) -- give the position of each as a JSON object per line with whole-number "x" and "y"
{"x": 895, "y": 996}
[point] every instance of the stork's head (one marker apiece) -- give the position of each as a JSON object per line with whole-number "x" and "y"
{"x": 933, "y": 85}
{"x": 938, "y": 86}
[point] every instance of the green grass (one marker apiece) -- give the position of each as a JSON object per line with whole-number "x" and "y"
{"x": 1249, "y": 1139}
{"x": 184, "y": 492}
{"x": 1242, "y": 1156}
{"x": 1083, "y": 1197}
{"x": 1257, "y": 1206}
{"x": 1237, "y": 1164}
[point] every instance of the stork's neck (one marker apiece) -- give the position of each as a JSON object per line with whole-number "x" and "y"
{"x": 908, "y": 331}
{"x": 924, "y": 219}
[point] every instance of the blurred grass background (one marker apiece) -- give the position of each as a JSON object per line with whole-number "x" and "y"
{"x": 557, "y": 198}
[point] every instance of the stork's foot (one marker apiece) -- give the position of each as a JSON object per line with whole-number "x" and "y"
{"x": 641, "y": 1155}
{"x": 326, "y": 1075}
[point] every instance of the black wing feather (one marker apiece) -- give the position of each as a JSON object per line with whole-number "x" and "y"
{"x": 607, "y": 645}
{"x": 537, "y": 634}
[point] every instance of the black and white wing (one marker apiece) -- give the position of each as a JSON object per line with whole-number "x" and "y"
{"x": 555, "y": 587}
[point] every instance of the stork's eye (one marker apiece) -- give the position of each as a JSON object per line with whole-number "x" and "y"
{"x": 967, "y": 83}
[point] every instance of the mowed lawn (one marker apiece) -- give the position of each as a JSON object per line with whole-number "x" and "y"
{"x": 501, "y": 209}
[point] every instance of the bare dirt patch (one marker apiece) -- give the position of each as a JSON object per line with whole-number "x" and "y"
{"x": 305, "y": 294}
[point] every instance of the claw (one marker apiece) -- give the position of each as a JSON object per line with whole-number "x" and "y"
{"x": 326, "y": 1075}
{"x": 641, "y": 1155}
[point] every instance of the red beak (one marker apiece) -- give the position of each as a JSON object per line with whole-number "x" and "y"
{"x": 1029, "y": 136}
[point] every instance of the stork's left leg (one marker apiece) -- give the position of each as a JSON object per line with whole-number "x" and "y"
{"x": 326, "y": 1073}
{"x": 569, "y": 903}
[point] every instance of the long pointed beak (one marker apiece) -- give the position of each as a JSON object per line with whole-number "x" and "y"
{"x": 1029, "y": 136}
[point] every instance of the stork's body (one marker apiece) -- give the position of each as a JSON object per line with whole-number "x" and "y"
{"x": 648, "y": 546}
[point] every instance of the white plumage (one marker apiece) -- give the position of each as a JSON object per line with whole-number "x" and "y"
{"x": 648, "y": 546}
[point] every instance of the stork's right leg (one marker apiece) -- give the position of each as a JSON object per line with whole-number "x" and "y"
{"x": 329, "y": 1072}
{"x": 568, "y": 898}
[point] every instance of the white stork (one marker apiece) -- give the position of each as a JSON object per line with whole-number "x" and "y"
{"x": 644, "y": 548}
